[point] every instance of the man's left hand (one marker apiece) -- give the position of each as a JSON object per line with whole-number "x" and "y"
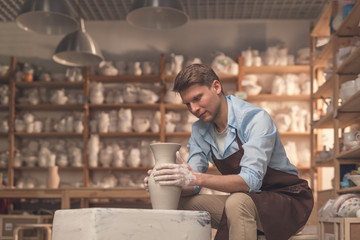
{"x": 179, "y": 174}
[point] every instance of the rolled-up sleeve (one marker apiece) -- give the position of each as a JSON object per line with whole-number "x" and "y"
{"x": 260, "y": 136}
{"x": 197, "y": 159}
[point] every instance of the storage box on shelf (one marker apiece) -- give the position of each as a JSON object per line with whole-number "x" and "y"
{"x": 339, "y": 228}
{"x": 342, "y": 113}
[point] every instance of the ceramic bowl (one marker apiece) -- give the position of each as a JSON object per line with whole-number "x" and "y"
{"x": 355, "y": 179}
{"x": 347, "y": 205}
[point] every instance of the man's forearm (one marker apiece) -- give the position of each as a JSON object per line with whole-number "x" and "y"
{"x": 223, "y": 183}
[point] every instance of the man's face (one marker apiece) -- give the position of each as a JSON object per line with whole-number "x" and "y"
{"x": 202, "y": 101}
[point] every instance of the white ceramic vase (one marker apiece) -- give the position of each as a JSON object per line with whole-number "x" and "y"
{"x": 164, "y": 197}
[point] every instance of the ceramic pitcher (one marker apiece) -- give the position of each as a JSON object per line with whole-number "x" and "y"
{"x": 164, "y": 197}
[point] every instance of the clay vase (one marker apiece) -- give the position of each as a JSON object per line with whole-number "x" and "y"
{"x": 53, "y": 178}
{"x": 164, "y": 197}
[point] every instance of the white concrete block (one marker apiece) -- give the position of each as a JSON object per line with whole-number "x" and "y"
{"x": 130, "y": 224}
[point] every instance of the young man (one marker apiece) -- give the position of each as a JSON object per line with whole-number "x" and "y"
{"x": 243, "y": 142}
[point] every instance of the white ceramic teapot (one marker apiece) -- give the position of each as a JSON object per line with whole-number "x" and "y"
{"x": 107, "y": 69}
{"x": 141, "y": 124}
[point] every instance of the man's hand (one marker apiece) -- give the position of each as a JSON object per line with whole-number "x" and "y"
{"x": 179, "y": 174}
{"x": 146, "y": 180}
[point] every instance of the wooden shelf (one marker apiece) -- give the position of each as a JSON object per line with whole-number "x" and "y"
{"x": 50, "y": 107}
{"x": 224, "y": 78}
{"x": 347, "y": 119}
{"x": 127, "y": 134}
{"x": 325, "y": 122}
{"x": 109, "y": 106}
{"x": 326, "y": 163}
{"x": 37, "y": 168}
{"x": 277, "y": 69}
{"x": 350, "y": 25}
{"x": 49, "y": 134}
{"x": 322, "y": 28}
{"x": 171, "y": 106}
{"x": 178, "y": 134}
{"x": 4, "y": 107}
{"x": 350, "y": 154}
{"x": 351, "y": 105}
{"x": 321, "y": 60}
{"x": 3, "y": 134}
{"x": 4, "y": 79}
{"x": 271, "y": 97}
{"x": 58, "y": 84}
{"x": 352, "y": 64}
{"x": 349, "y": 190}
{"x": 326, "y": 89}
{"x": 155, "y": 78}
{"x": 120, "y": 168}
{"x": 66, "y": 194}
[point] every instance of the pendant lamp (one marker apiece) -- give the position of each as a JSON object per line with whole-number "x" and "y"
{"x": 78, "y": 49}
{"x": 52, "y": 17}
{"x": 157, "y": 14}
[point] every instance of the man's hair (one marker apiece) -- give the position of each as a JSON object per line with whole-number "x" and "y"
{"x": 195, "y": 74}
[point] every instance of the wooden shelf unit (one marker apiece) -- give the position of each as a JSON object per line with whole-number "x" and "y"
{"x": 345, "y": 114}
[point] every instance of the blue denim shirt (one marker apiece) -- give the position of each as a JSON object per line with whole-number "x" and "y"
{"x": 258, "y": 134}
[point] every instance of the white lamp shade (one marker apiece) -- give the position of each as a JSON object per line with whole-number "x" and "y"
{"x": 157, "y": 14}
{"x": 52, "y": 17}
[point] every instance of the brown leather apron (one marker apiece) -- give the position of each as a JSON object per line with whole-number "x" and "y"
{"x": 284, "y": 203}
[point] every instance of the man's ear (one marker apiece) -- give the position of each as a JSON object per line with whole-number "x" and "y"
{"x": 217, "y": 86}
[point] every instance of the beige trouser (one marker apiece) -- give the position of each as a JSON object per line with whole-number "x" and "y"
{"x": 243, "y": 219}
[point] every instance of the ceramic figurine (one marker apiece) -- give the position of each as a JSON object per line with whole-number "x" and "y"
{"x": 125, "y": 120}
{"x": 106, "y": 156}
{"x": 133, "y": 159}
{"x": 96, "y": 93}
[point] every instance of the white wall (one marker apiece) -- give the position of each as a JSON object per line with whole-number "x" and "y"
{"x": 200, "y": 38}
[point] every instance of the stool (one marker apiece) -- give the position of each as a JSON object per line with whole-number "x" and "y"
{"x": 47, "y": 227}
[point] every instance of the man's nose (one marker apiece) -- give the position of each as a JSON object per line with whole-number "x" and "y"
{"x": 194, "y": 107}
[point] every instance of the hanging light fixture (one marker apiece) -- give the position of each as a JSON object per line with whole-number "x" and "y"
{"x": 157, "y": 14}
{"x": 52, "y": 17}
{"x": 78, "y": 49}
